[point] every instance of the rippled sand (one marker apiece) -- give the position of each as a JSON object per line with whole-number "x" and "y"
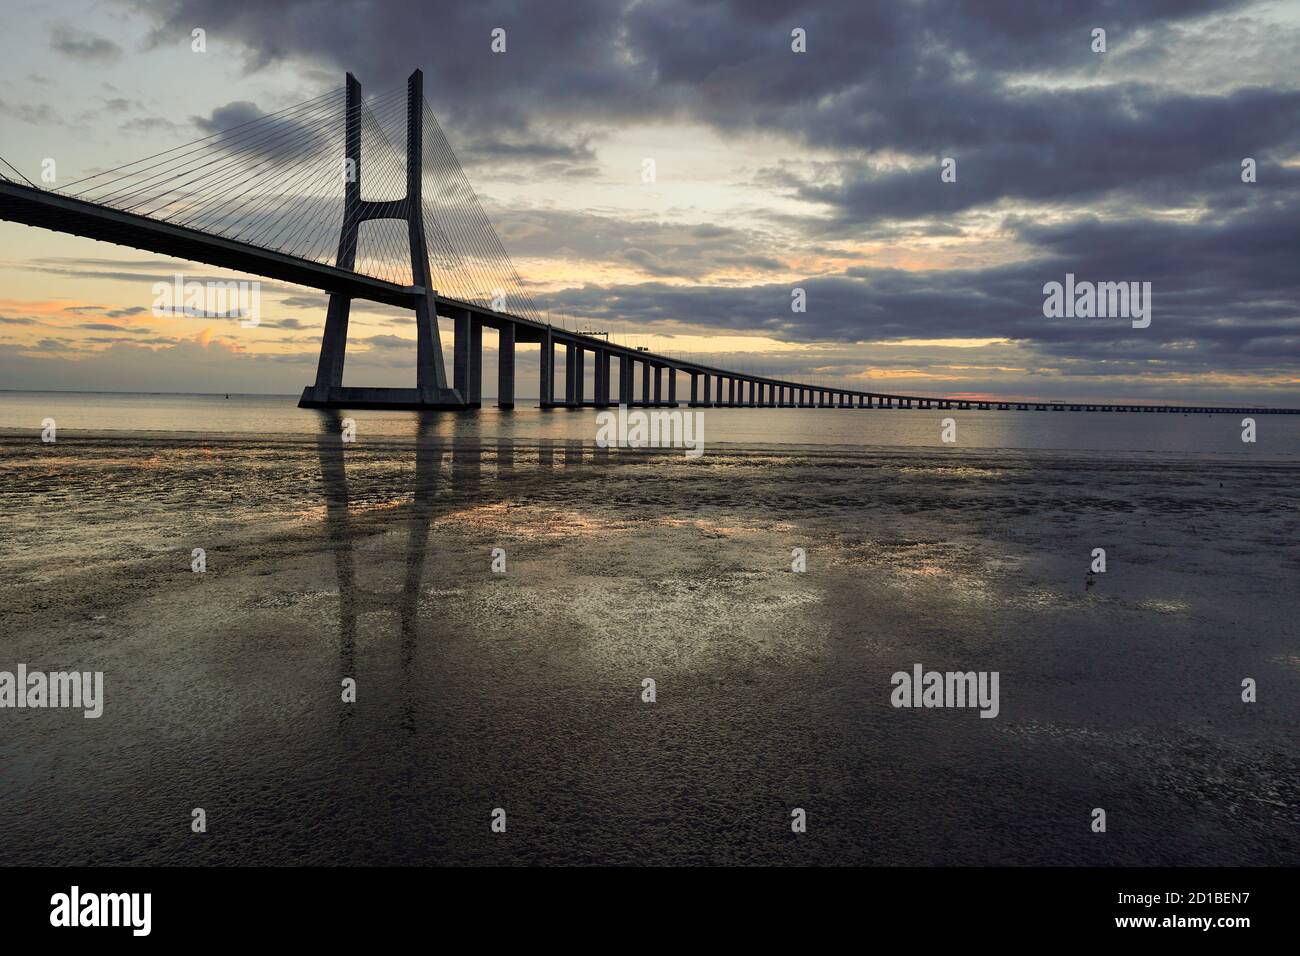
{"x": 522, "y": 690}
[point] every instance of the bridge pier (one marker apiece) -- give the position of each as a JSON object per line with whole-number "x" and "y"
{"x": 601, "y": 397}
{"x": 506, "y": 366}
{"x": 546, "y": 373}
{"x": 570, "y": 358}
{"x": 467, "y": 364}
{"x": 580, "y": 376}
{"x": 624, "y": 380}
{"x": 475, "y": 397}
{"x": 431, "y": 390}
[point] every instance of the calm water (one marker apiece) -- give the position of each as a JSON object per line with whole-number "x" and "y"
{"x": 1278, "y": 436}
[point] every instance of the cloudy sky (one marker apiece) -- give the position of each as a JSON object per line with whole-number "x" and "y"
{"x": 774, "y": 170}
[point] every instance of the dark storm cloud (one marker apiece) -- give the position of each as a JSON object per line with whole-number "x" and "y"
{"x": 729, "y": 63}
{"x": 656, "y": 247}
{"x": 285, "y": 138}
{"x": 83, "y": 45}
{"x": 1159, "y": 149}
{"x": 927, "y": 79}
{"x": 229, "y": 116}
{"x": 109, "y": 327}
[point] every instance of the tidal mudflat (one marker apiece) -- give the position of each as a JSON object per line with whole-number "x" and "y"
{"x": 523, "y": 690}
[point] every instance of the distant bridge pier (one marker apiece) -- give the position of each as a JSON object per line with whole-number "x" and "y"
{"x": 625, "y": 382}
{"x": 579, "y": 374}
{"x": 571, "y": 355}
{"x": 601, "y": 397}
{"x": 506, "y": 366}
{"x": 546, "y": 372}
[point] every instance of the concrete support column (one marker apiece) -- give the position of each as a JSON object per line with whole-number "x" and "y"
{"x": 602, "y": 378}
{"x": 506, "y": 366}
{"x": 706, "y": 392}
{"x": 460, "y": 353}
{"x": 659, "y": 384}
{"x": 731, "y": 391}
{"x": 720, "y": 385}
{"x": 645, "y": 383}
{"x": 695, "y": 387}
{"x": 476, "y": 362}
{"x": 624, "y": 380}
{"x": 672, "y": 385}
{"x": 468, "y": 357}
{"x": 579, "y": 373}
{"x": 333, "y": 346}
{"x": 546, "y": 378}
{"x": 570, "y": 356}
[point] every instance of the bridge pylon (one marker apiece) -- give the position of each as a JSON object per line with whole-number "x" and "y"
{"x": 432, "y": 390}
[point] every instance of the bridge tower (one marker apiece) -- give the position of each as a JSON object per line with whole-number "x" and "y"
{"x": 431, "y": 389}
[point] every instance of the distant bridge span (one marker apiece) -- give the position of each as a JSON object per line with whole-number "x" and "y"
{"x": 459, "y": 251}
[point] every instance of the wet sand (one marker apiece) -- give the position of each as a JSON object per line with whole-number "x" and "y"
{"x": 522, "y": 691}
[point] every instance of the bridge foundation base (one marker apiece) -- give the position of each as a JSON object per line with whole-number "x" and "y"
{"x": 415, "y": 399}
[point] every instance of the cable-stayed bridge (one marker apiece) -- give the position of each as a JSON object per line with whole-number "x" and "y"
{"x": 365, "y": 199}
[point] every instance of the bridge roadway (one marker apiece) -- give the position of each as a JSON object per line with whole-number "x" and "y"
{"x": 657, "y": 374}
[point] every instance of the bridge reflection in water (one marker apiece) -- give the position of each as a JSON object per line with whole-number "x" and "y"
{"x": 434, "y": 448}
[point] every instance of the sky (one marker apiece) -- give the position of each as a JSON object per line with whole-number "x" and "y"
{"x": 775, "y": 170}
